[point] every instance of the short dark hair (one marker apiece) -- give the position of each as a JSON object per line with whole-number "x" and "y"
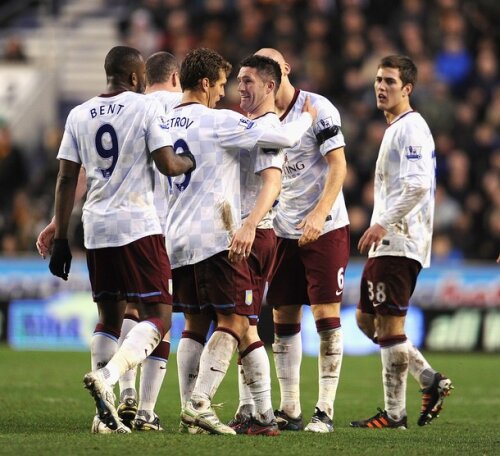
{"x": 159, "y": 67}
{"x": 202, "y": 63}
{"x": 121, "y": 61}
{"x": 268, "y": 69}
{"x": 405, "y": 65}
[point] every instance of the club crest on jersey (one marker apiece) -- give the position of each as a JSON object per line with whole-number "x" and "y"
{"x": 248, "y": 297}
{"x": 246, "y": 123}
{"x": 413, "y": 152}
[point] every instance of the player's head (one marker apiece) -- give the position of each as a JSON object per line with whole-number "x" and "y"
{"x": 160, "y": 68}
{"x": 405, "y": 65}
{"x": 258, "y": 80}
{"x": 204, "y": 70}
{"x": 125, "y": 68}
{"x": 394, "y": 82}
{"x": 278, "y": 57}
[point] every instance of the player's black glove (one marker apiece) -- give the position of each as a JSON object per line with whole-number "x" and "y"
{"x": 60, "y": 260}
{"x": 191, "y": 157}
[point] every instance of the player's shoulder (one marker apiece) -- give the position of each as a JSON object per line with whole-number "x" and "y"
{"x": 412, "y": 122}
{"x": 230, "y": 118}
{"x": 165, "y": 96}
{"x": 315, "y": 98}
{"x": 269, "y": 118}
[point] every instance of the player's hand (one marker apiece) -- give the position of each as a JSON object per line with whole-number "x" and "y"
{"x": 46, "y": 239}
{"x": 60, "y": 260}
{"x": 189, "y": 155}
{"x": 372, "y": 236}
{"x": 241, "y": 244}
{"x": 312, "y": 226}
{"x": 308, "y": 107}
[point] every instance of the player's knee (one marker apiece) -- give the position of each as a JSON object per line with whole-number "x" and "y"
{"x": 366, "y": 323}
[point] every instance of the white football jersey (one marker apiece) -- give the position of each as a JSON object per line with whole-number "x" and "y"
{"x": 112, "y": 137}
{"x": 168, "y": 100}
{"x": 305, "y": 169}
{"x": 406, "y": 153}
{"x": 252, "y": 163}
{"x": 204, "y": 206}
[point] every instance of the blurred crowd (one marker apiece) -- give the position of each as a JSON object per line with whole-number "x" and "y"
{"x": 333, "y": 47}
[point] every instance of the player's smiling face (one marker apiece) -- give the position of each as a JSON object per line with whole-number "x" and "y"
{"x": 391, "y": 95}
{"x": 252, "y": 89}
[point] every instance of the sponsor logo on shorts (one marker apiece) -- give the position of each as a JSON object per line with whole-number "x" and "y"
{"x": 248, "y": 297}
{"x": 170, "y": 287}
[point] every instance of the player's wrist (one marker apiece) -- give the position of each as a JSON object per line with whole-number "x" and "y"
{"x": 189, "y": 155}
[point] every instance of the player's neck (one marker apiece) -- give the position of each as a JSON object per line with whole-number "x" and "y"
{"x": 264, "y": 108}
{"x": 284, "y": 97}
{"x": 165, "y": 86}
{"x": 193, "y": 96}
{"x": 397, "y": 111}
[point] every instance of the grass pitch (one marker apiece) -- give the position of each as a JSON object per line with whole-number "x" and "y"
{"x": 44, "y": 410}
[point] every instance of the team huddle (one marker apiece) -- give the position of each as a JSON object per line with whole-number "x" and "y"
{"x": 243, "y": 205}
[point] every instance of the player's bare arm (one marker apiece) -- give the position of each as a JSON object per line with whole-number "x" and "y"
{"x": 67, "y": 179}
{"x": 242, "y": 241}
{"x": 312, "y": 224}
{"x": 45, "y": 239}
{"x": 171, "y": 164}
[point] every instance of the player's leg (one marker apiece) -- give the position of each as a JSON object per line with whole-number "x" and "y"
{"x": 214, "y": 362}
{"x": 104, "y": 345}
{"x": 434, "y": 385}
{"x": 219, "y": 282}
{"x": 246, "y": 406}
{"x": 395, "y": 360}
{"x": 287, "y": 352}
{"x": 287, "y": 292}
{"x": 145, "y": 336}
{"x": 386, "y": 287}
{"x": 325, "y": 261}
{"x": 189, "y": 352}
{"x": 153, "y": 371}
{"x": 255, "y": 414}
{"x": 327, "y": 318}
{"x": 127, "y": 407}
{"x": 196, "y": 326}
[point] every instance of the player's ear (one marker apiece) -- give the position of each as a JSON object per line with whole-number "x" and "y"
{"x": 205, "y": 84}
{"x": 408, "y": 89}
{"x": 286, "y": 69}
{"x": 175, "y": 79}
{"x": 134, "y": 80}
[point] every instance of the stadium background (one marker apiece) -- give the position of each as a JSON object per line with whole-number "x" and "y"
{"x": 52, "y": 59}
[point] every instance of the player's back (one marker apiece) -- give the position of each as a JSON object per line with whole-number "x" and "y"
{"x": 204, "y": 206}
{"x": 111, "y": 136}
{"x": 169, "y": 100}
